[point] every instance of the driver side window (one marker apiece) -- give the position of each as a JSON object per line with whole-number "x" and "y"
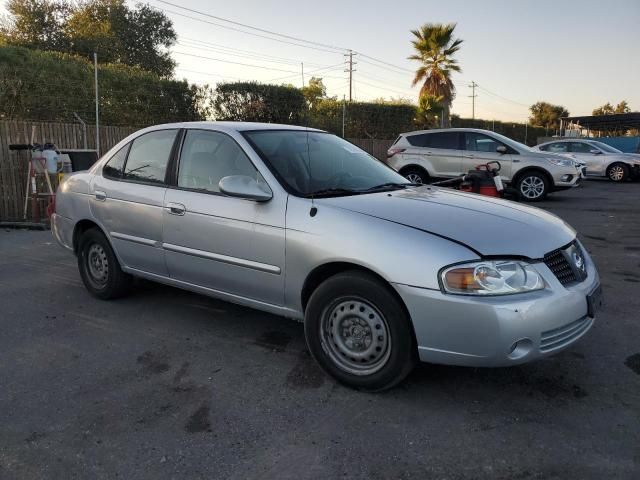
{"x": 477, "y": 142}
{"x": 207, "y": 157}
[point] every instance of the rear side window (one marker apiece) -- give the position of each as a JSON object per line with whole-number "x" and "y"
{"x": 149, "y": 156}
{"x": 418, "y": 140}
{"x": 580, "y": 147}
{"x": 113, "y": 168}
{"x": 444, "y": 140}
{"x": 559, "y": 147}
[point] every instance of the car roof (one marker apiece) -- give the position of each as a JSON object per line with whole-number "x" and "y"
{"x": 437, "y": 130}
{"x": 565, "y": 140}
{"x": 233, "y": 126}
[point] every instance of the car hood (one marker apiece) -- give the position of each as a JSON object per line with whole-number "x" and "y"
{"x": 487, "y": 225}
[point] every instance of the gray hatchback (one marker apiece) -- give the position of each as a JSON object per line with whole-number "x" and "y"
{"x": 301, "y": 223}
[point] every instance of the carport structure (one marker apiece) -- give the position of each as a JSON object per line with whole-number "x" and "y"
{"x": 605, "y": 125}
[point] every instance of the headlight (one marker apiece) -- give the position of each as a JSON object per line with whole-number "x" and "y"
{"x": 561, "y": 162}
{"x": 498, "y": 277}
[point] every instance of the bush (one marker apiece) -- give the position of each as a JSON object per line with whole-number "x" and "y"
{"x": 256, "y": 102}
{"x": 50, "y": 86}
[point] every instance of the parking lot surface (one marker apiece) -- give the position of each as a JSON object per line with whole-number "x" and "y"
{"x": 170, "y": 384}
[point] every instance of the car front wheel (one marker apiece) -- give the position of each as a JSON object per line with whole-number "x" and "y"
{"x": 533, "y": 187}
{"x": 359, "y": 333}
{"x": 99, "y": 267}
{"x": 618, "y": 172}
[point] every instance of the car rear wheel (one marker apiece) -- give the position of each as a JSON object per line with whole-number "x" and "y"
{"x": 99, "y": 267}
{"x": 533, "y": 186}
{"x": 416, "y": 175}
{"x": 618, "y": 172}
{"x": 359, "y": 333}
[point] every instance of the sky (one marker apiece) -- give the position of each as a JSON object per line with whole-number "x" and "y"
{"x": 579, "y": 54}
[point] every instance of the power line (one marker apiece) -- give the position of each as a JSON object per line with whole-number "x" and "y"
{"x": 235, "y": 63}
{"x": 164, "y": 10}
{"x": 503, "y": 98}
{"x": 251, "y": 27}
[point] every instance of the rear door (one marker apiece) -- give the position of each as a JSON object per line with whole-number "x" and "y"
{"x": 480, "y": 149}
{"x": 595, "y": 161}
{"x": 127, "y": 199}
{"x": 442, "y": 151}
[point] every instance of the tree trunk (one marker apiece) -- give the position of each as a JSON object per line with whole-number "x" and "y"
{"x": 446, "y": 120}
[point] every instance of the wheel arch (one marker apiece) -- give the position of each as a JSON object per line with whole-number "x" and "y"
{"x": 414, "y": 166}
{"x": 327, "y": 270}
{"x": 81, "y": 227}
{"x": 524, "y": 171}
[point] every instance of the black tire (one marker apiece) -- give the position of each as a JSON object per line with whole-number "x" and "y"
{"x": 390, "y": 361}
{"x": 103, "y": 278}
{"x": 532, "y": 186}
{"x": 416, "y": 175}
{"x": 618, "y": 172}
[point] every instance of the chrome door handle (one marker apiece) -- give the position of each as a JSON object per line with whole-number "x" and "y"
{"x": 515, "y": 160}
{"x": 469, "y": 156}
{"x": 175, "y": 208}
{"x": 100, "y": 195}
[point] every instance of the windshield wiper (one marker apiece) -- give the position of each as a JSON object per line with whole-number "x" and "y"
{"x": 389, "y": 185}
{"x": 332, "y": 191}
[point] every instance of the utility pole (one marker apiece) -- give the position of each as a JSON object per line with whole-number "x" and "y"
{"x": 350, "y": 70}
{"x": 302, "y": 65}
{"x": 473, "y": 99}
{"x": 95, "y": 77}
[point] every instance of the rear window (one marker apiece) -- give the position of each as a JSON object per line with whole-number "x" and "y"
{"x": 418, "y": 140}
{"x": 444, "y": 140}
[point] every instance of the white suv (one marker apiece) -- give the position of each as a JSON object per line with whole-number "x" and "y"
{"x": 423, "y": 155}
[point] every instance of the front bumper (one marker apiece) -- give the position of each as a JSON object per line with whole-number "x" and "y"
{"x": 568, "y": 180}
{"x": 482, "y": 331}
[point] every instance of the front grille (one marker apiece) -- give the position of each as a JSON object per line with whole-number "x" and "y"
{"x": 561, "y": 336}
{"x": 559, "y": 265}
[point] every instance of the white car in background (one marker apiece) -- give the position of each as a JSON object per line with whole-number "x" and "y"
{"x": 427, "y": 154}
{"x": 600, "y": 159}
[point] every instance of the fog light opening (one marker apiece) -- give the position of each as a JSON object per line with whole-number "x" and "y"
{"x": 520, "y": 348}
{"x": 566, "y": 178}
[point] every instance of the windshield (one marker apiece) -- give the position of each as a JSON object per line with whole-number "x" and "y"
{"x": 605, "y": 147}
{"x": 309, "y": 163}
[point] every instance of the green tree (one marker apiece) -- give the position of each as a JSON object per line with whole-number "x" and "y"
{"x": 35, "y": 24}
{"x": 544, "y": 114}
{"x": 608, "y": 109}
{"x": 314, "y": 91}
{"x": 118, "y": 34}
{"x": 429, "y": 111}
{"x": 435, "y": 46}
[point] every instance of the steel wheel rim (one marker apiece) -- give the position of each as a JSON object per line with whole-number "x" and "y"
{"x": 532, "y": 187}
{"x": 97, "y": 265}
{"x": 414, "y": 178}
{"x": 616, "y": 173}
{"x": 355, "y": 336}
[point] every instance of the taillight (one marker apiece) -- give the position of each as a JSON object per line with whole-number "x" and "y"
{"x": 392, "y": 151}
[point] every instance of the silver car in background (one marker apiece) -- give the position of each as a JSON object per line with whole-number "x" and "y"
{"x": 300, "y": 223}
{"x": 600, "y": 159}
{"x": 426, "y": 154}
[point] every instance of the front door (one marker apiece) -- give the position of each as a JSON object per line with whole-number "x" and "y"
{"x": 231, "y": 245}
{"x": 480, "y": 149}
{"x": 128, "y": 197}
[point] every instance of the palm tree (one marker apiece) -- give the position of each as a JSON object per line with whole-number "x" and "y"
{"x": 435, "y": 46}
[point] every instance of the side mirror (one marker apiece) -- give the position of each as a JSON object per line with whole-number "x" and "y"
{"x": 243, "y": 186}
{"x": 501, "y": 149}
{"x": 595, "y": 152}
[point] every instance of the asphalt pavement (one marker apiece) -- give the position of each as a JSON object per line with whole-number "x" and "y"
{"x": 170, "y": 384}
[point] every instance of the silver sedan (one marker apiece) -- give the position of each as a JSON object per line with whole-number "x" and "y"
{"x": 301, "y": 223}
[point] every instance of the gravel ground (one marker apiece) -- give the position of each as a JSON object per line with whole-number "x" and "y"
{"x": 169, "y": 384}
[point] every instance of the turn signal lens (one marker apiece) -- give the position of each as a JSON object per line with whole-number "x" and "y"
{"x": 492, "y": 278}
